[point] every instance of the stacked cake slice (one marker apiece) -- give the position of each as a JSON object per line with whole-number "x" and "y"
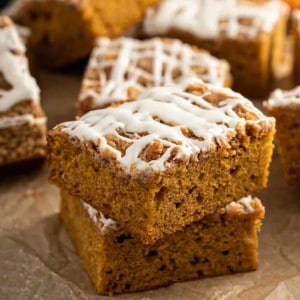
{"x": 221, "y": 243}
{"x": 155, "y": 191}
{"x": 22, "y": 121}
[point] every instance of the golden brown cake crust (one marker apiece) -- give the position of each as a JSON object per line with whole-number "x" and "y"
{"x": 183, "y": 189}
{"x": 222, "y": 243}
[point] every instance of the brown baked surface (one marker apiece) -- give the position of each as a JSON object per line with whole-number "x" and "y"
{"x": 185, "y": 191}
{"x": 167, "y": 57}
{"x": 223, "y": 243}
{"x": 64, "y": 31}
{"x": 253, "y": 60}
{"x": 24, "y": 139}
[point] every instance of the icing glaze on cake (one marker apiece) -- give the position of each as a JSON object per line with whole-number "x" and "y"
{"x": 14, "y": 68}
{"x": 175, "y": 122}
{"x": 120, "y": 65}
{"x": 104, "y": 224}
{"x": 7, "y": 122}
{"x": 210, "y": 18}
{"x": 284, "y": 98}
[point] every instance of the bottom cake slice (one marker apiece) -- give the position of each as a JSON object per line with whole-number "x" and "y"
{"x": 222, "y": 243}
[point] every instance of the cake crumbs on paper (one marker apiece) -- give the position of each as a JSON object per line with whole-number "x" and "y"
{"x": 33, "y": 192}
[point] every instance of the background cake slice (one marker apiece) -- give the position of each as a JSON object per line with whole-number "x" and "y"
{"x": 165, "y": 160}
{"x": 64, "y": 31}
{"x": 249, "y": 35}
{"x": 222, "y": 243}
{"x": 22, "y": 121}
{"x": 121, "y": 69}
{"x": 285, "y": 107}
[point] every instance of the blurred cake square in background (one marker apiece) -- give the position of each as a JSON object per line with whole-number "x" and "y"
{"x": 121, "y": 69}
{"x": 64, "y": 31}
{"x": 22, "y": 120}
{"x": 250, "y": 35}
{"x": 285, "y": 107}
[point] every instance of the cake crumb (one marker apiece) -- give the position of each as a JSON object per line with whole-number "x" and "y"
{"x": 33, "y": 192}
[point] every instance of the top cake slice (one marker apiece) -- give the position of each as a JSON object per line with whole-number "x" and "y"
{"x": 120, "y": 69}
{"x": 248, "y": 34}
{"x": 165, "y": 160}
{"x": 22, "y": 121}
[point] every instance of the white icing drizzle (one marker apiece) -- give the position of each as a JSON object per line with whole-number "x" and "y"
{"x": 6, "y": 122}
{"x": 205, "y": 18}
{"x": 284, "y": 98}
{"x": 105, "y": 225}
{"x": 125, "y": 71}
{"x": 15, "y": 71}
{"x": 211, "y": 125}
{"x": 246, "y": 202}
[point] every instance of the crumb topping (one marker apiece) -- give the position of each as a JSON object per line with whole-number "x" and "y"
{"x": 213, "y": 18}
{"x": 167, "y": 125}
{"x": 120, "y": 69}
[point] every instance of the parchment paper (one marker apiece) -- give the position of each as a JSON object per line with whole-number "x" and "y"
{"x": 38, "y": 261}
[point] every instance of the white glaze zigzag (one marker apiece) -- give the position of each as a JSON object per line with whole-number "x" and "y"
{"x": 125, "y": 71}
{"x": 211, "y": 125}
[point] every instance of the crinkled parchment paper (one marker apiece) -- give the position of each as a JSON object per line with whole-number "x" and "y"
{"x": 38, "y": 261}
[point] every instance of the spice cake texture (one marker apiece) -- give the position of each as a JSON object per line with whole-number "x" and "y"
{"x": 121, "y": 69}
{"x": 222, "y": 243}
{"x": 63, "y": 31}
{"x": 22, "y": 121}
{"x": 165, "y": 160}
{"x": 296, "y": 43}
{"x": 285, "y": 107}
{"x": 249, "y": 35}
